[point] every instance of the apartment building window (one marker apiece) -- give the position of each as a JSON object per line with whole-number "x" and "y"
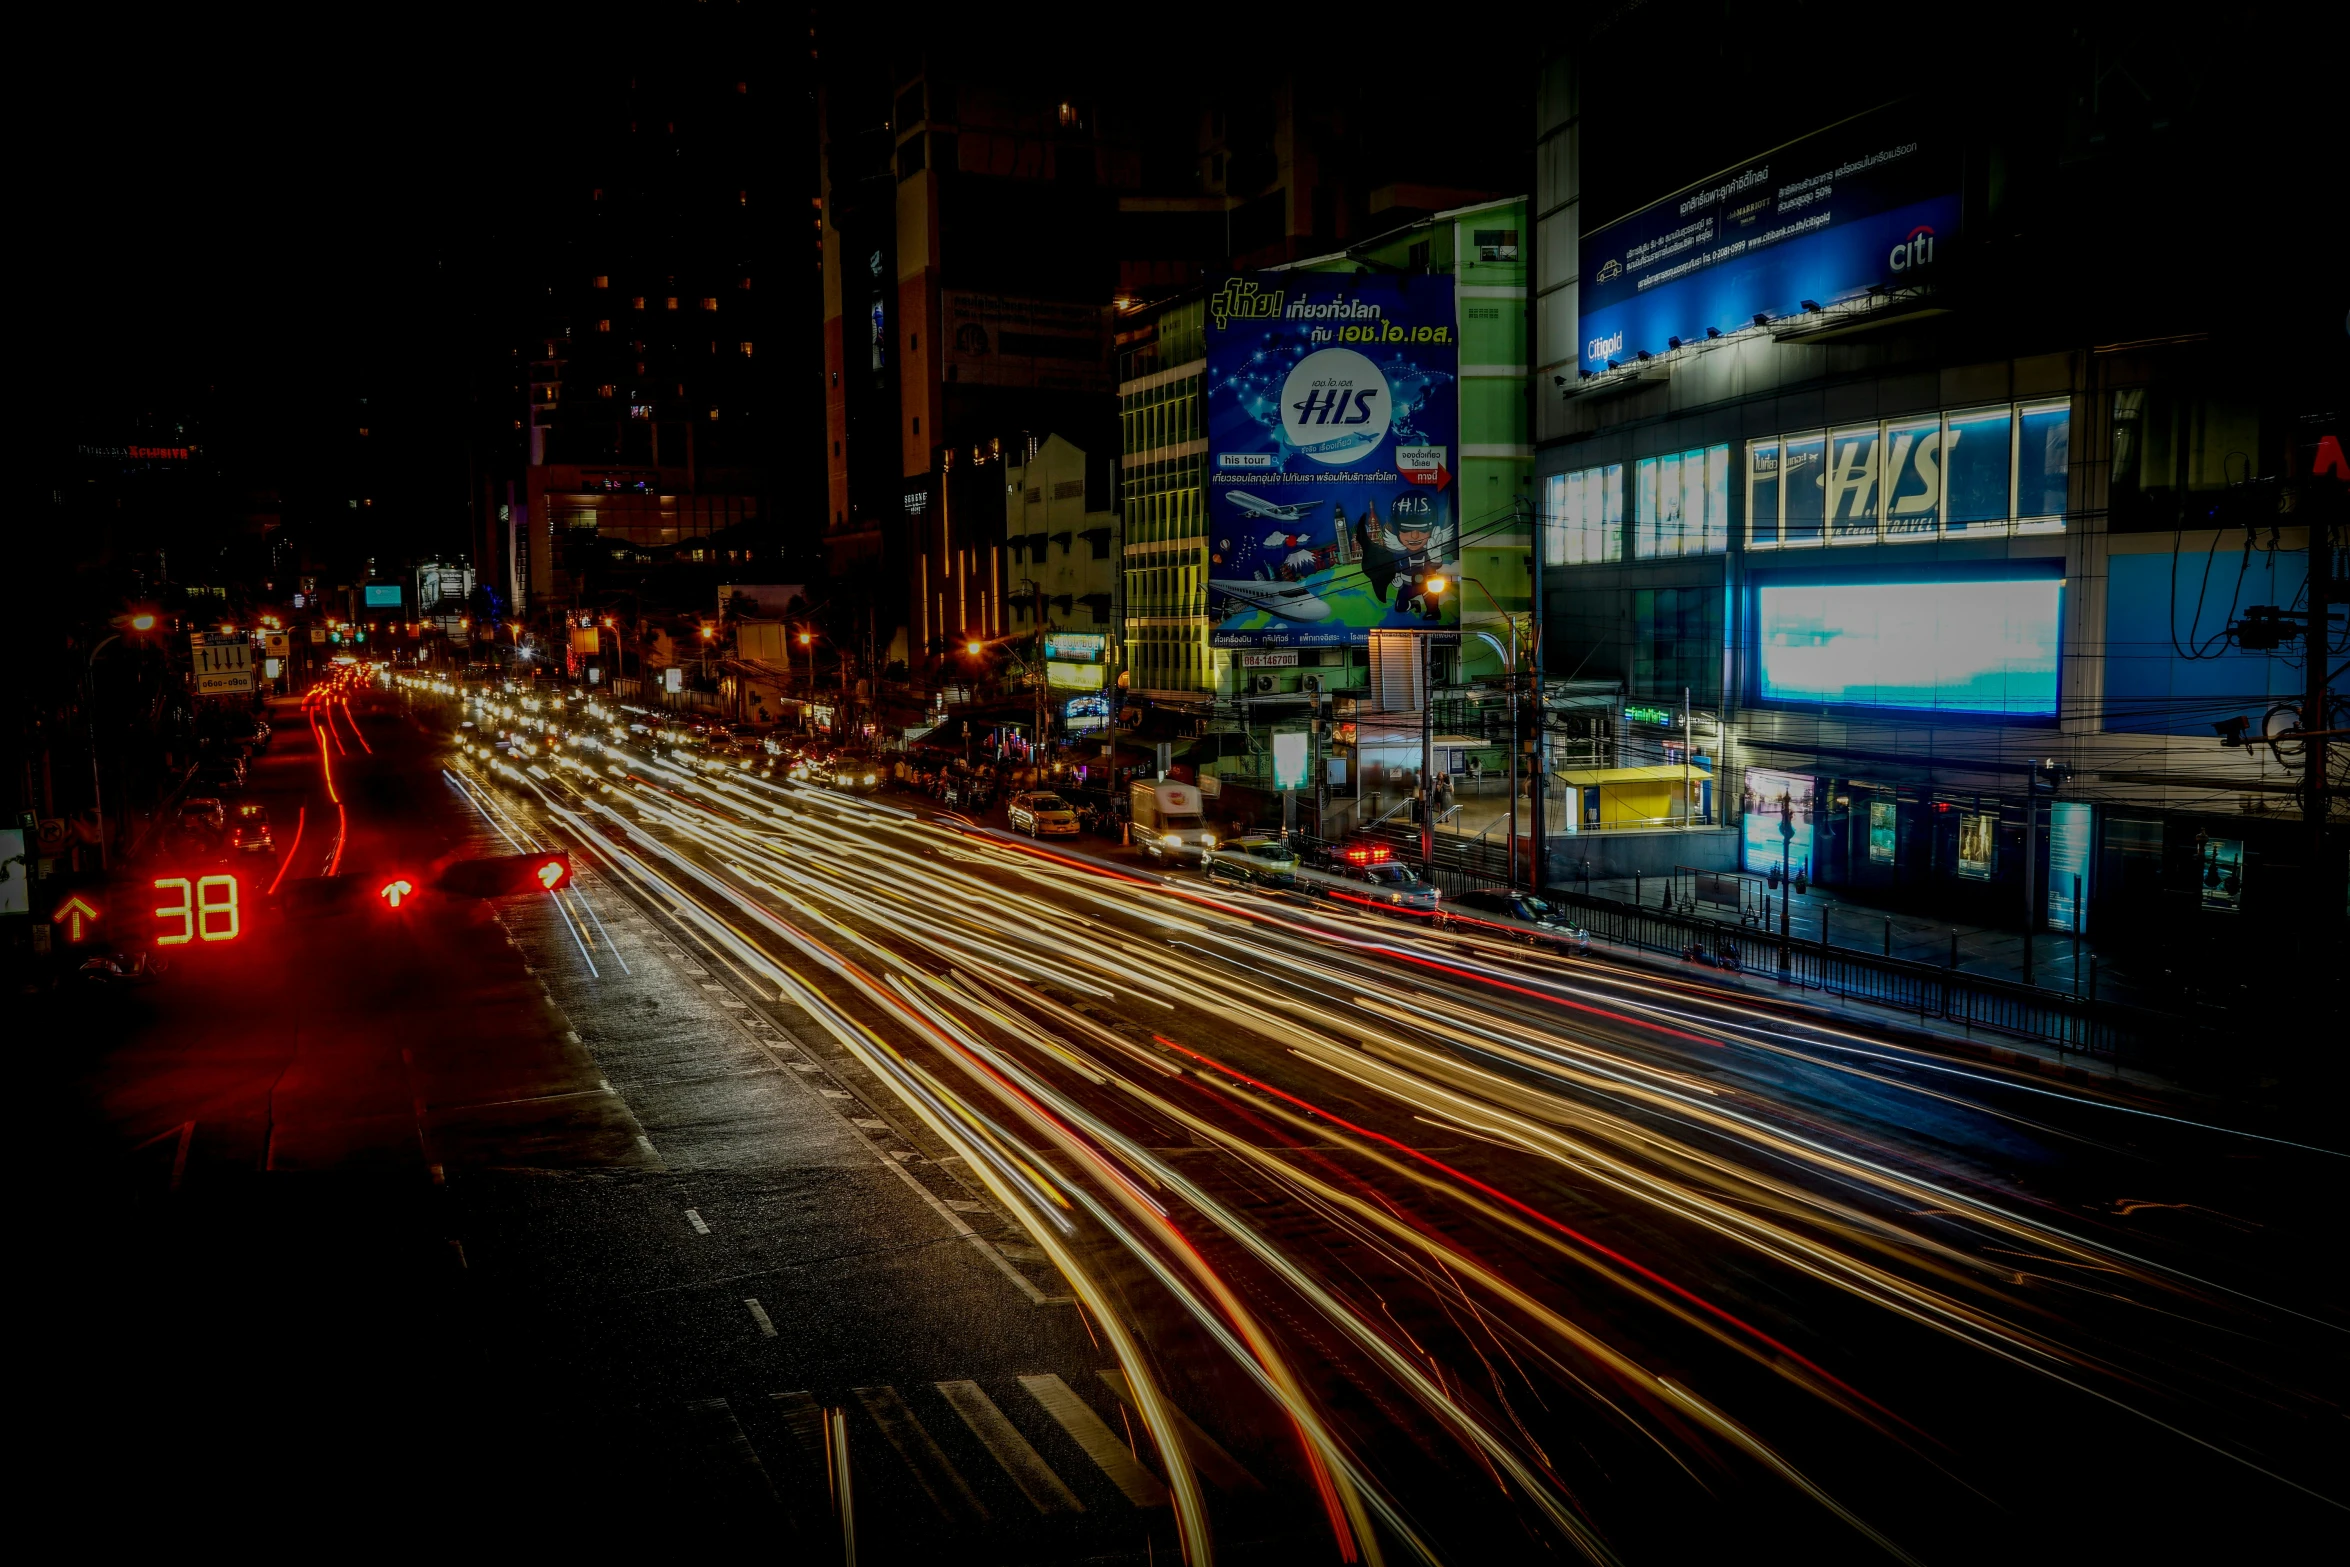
{"x": 746, "y": 349}
{"x": 1583, "y": 522}
{"x": 636, "y": 302}
{"x": 602, "y": 281}
{"x": 1682, "y": 504}
{"x": 670, "y": 302}
{"x": 1496, "y": 244}
{"x": 604, "y": 326}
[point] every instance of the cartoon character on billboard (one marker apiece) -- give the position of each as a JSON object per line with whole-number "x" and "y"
{"x": 1407, "y": 549}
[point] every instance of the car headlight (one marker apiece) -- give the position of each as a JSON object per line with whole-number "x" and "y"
{"x": 1206, "y": 842}
{"x": 869, "y": 778}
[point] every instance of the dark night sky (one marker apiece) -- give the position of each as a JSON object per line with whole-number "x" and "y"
{"x": 237, "y": 233}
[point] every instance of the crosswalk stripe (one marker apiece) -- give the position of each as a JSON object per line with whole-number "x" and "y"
{"x": 903, "y": 1429}
{"x": 1221, "y": 1467}
{"x": 1008, "y": 1447}
{"x": 1076, "y": 1417}
{"x": 724, "y": 1435}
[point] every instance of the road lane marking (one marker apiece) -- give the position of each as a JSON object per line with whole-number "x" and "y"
{"x": 759, "y": 1315}
{"x": 904, "y": 1431}
{"x": 1044, "y": 1489}
{"x": 1221, "y": 1466}
{"x": 1109, "y": 1455}
{"x": 693, "y": 1217}
{"x": 723, "y": 1434}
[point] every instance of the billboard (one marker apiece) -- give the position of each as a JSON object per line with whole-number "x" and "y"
{"x": 1860, "y": 205}
{"x": 1777, "y": 811}
{"x": 998, "y": 340}
{"x": 1076, "y": 647}
{"x": 383, "y": 595}
{"x": 1333, "y": 414}
{"x": 1984, "y": 646}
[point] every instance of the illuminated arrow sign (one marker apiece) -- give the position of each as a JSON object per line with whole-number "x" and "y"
{"x": 71, "y": 916}
{"x": 393, "y": 891}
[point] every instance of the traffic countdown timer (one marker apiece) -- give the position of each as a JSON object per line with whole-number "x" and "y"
{"x": 197, "y": 909}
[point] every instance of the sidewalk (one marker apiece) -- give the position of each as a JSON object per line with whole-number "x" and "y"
{"x": 2059, "y": 962}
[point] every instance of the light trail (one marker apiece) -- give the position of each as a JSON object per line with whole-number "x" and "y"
{"x": 1025, "y": 1006}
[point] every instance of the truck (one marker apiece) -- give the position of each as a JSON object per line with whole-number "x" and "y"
{"x": 1166, "y": 818}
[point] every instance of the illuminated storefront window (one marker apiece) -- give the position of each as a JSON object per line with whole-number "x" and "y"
{"x": 1967, "y": 473}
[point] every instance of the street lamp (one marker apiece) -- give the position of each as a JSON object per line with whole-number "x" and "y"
{"x": 1438, "y": 585}
{"x": 138, "y": 622}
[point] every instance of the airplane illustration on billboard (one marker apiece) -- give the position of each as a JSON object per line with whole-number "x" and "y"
{"x": 1270, "y": 511}
{"x": 1289, "y": 600}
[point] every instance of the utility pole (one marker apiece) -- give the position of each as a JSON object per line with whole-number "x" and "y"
{"x": 2031, "y": 852}
{"x": 2316, "y": 655}
{"x": 1036, "y": 740}
{"x": 1428, "y": 754}
{"x": 1538, "y": 784}
{"x": 1688, "y": 743}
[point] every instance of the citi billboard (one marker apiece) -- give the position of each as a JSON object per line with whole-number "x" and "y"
{"x": 1861, "y": 205}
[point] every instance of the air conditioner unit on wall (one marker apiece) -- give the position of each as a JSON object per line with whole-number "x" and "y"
{"x": 1312, "y": 683}
{"x": 1266, "y": 685}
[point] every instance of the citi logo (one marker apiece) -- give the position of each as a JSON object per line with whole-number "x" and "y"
{"x": 1601, "y": 347}
{"x": 1915, "y": 251}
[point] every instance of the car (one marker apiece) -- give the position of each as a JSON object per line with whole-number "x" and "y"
{"x": 1360, "y": 874}
{"x": 1041, "y": 813}
{"x": 1517, "y": 915}
{"x": 248, "y": 830}
{"x": 851, "y": 774}
{"x": 201, "y": 813}
{"x": 221, "y": 774}
{"x": 1254, "y": 857}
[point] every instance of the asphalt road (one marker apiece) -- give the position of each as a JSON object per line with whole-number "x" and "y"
{"x": 1054, "y": 1207}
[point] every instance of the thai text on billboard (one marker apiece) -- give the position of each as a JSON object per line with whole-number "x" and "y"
{"x": 1333, "y": 415}
{"x": 1861, "y": 205}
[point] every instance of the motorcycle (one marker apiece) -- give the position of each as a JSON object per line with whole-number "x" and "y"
{"x": 114, "y": 972}
{"x": 1724, "y": 957}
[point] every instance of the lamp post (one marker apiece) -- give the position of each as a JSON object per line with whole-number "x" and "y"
{"x": 1437, "y": 585}
{"x": 138, "y": 622}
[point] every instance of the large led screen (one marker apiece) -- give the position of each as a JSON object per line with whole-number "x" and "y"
{"x": 1979, "y": 646}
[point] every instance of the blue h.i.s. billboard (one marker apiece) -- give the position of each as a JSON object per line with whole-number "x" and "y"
{"x": 1865, "y": 204}
{"x": 1333, "y": 417}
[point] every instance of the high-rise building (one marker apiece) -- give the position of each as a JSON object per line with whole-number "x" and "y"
{"x": 993, "y": 212}
{"x": 657, "y": 432}
{"x": 1881, "y": 474}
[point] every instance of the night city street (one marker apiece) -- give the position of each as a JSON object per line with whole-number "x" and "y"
{"x": 1290, "y": 812}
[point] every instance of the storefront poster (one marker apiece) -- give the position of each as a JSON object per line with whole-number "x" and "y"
{"x": 1772, "y": 801}
{"x": 1883, "y": 815}
{"x": 1978, "y": 846}
{"x": 2222, "y": 874}
{"x": 2069, "y": 843}
{"x": 1333, "y": 434}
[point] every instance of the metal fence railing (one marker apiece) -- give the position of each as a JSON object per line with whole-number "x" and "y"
{"x": 2184, "y": 1043}
{"x": 2174, "y": 1043}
